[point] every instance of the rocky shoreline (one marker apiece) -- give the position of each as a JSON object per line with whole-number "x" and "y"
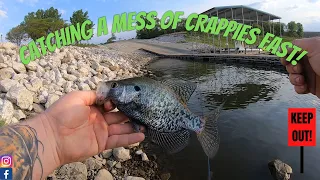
{"x": 27, "y": 90}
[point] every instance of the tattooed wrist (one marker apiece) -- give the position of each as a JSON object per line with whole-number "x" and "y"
{"x": 30, "y": 147}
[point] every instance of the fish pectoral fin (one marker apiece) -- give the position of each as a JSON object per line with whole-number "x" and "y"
{"x": 172, "y": 142}
{"x": 182, "y": 88}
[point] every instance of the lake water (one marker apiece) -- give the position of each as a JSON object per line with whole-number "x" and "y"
{"x": 252, "y": 126}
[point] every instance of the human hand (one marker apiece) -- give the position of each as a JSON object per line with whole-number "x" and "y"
{"x": 80, "y": 130}
{"x": 305, "y": 76}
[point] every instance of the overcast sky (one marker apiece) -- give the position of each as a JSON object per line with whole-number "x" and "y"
{"x": 12, "y": 12}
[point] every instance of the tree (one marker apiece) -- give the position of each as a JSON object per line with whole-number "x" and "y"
{"x": 300, "y": 29}
{"x": 42, "y": 22}
{"x": 80, "y": 17}
{"x": 150, "y": 33}
{"x": 17, "y": 35}
{"x": 292, "y": 28}
{"x": 112, "y": 38}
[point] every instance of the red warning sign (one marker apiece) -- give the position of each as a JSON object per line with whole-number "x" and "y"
{"x": 302, "y": 126}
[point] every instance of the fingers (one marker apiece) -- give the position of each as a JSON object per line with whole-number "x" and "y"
{"x": 297, "y": 69}
{"x": 118, "y": 129}
{"x": 109, "y": 106}
{"x": 115, "y": 118}
{"x": 307, "y": 44}
{"x": 124, "y": 140}
{"x": 297, "y": 79}
{"x": 303, "y": 89}
{"x": 284, "y": 62}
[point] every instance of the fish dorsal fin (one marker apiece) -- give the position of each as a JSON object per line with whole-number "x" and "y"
{"x": 172, "y": 142}
{"x": 182, "y": 88}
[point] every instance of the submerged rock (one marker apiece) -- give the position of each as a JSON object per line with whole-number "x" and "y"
{"x": 279, "y": 170}
{"x": 75, "y": 170}
{"x": 121, "y": 154}
{"x": 103, "y": 174}
{"x": 134, "y": 178}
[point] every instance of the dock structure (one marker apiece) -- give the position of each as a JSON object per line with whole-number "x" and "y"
{"x": 245, "y": 15}
{"x": 261, "y": 59}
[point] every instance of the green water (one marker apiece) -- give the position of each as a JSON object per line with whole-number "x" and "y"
{"x": 252, "y": 126}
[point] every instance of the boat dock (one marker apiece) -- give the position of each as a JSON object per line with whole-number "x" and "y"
{"x": 211, "y": 57}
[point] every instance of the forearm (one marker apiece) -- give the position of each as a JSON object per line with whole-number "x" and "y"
{"x": 32, "y": 147}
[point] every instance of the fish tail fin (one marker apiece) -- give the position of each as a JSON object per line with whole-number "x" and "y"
{"x": 209, "y": 136}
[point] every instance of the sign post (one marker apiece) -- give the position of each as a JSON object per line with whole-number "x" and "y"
{"x": 302, "y": 129}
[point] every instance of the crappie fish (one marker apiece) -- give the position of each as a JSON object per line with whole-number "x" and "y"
{"x": 161, "y": 106}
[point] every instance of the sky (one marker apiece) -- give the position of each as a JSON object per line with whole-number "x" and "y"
{"x": 12, "y": 12}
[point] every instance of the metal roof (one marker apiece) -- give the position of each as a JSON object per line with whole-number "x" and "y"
{"x": 236, "y": 11}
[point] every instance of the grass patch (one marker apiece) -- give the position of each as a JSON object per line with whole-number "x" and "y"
{"x": 2, "y": 122}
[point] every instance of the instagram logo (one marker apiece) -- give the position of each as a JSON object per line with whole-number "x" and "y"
{"x": 6, "y": 161}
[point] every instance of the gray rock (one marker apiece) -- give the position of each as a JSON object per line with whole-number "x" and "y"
{"x": 111, "y": 163}
{"x": 12, "y": 120}
{"x": 103, "y": 174}
{"x": 20, "y": 96}
{"x": 133, "y": 178}
{"x": 36, "y": 84}
{"x": 96, "y": 66}
{"x": 75, "y": 170}
{"x": 91, "y": 84}
{"x": 43, "y": 62}
{"x": 3, "y": 65}
{"x": 32, "y": 66}
{"x": 84, "y": 86}
{"x": 114, "y": 172}
{"x": 38, "y": 108}
{"x": 279, "y": 170}
{"x": 118, "y": 165}
{"x": 68, "y": 58}
{"x": 71, "y": 68}
{"x": 165, "y": 176}
{"x": 95, "y": 80}
{"x": 6, "y": 73}
{"x": 19, "y": 114}
{"x": 6, "y": 84}
{"x": 121, "y": 154}
{"x": 51, "y": 99}
{"x": 19, "y": 77}
{"x": 93, "y": 164}
{"x": 70, "y": 77}
{"x": 68, "y": 86}
{"x": 114, "y": 68}
{"x": 134, "y": 145}
{"x": 19, "y": 67}
{"x": 139, "y": 152}
{"x": 6, "y": 110}
{"x": 2, "y": 58}
{"x": 144, "y": 157}
{"x": 107, "y": 153}
{"x": 84, "y": 72}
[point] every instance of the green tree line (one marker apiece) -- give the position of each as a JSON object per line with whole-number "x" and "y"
{"x": 291, "y": 29}
{"x": 42, "y": 22}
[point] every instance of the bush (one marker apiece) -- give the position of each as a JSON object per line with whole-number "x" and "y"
{"x": 2, "y": 122}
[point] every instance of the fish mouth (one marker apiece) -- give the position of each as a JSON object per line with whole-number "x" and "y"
{"x": 102, "y": 93}
{"x": 100, "y": 99}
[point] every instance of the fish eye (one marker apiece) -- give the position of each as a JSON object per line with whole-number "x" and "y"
{"x": 137, "y": 88}
{"x": 114, "y": 85}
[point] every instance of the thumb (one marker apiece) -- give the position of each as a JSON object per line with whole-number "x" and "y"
{"x": 88, "y": 97}
{"x": 312, "y": 46}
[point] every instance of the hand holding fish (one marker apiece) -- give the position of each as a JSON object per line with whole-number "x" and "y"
{"x": 71, "y": 130}
{"x": 81, "y": 130}
{"x": 305, "y": 76}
